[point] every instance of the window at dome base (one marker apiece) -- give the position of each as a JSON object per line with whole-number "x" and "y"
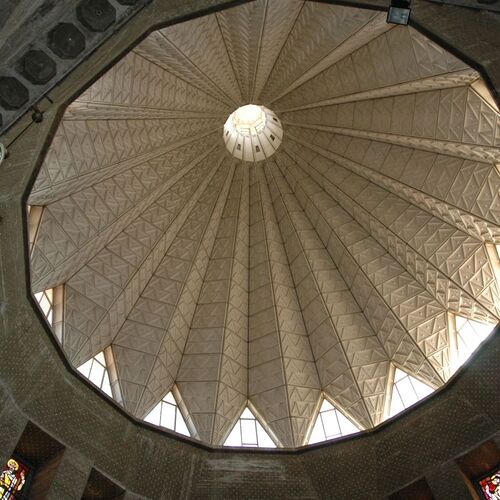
{"x": 331, "y": 424}
{"x": 252, "y": 133}
{"x": 406, "y": 391}
{"x": 51, "y": 304}
{"x": 469, "y": 336}
{"x": 248, "y": 432}
{"x": 45, "y": 300}
{"x": 167, "y": 414}
{"x": 95, "y": 369}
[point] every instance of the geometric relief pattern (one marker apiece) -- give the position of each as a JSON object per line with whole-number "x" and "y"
{"x": 283, "y": 378}
{"x": 375, "y": 65}
{"x": 317, "y": 31}
{"x": 211, "y": 377}
{"x": 273, "y": 287}
{"x": 428, "y": 247}
{"x": 392, "y": 301}
{"x": 241, "y": 31}
{"x": 331, "y": 315}
{"x": 438, "y": 180}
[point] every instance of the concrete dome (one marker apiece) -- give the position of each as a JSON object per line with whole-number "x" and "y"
{"x": 314, "y": 272}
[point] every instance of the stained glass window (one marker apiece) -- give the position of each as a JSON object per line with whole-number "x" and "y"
{"x": 406, "y": 391}
{"x": 13, "y": 479}
{"x": 470, "y": 334}
{"x": 167, "y": 414}
{"x": 330, "y": 424}
{"x": 96, "y": 371}
{"x": 490, "y": 486}
{"x": 248, "y": 431}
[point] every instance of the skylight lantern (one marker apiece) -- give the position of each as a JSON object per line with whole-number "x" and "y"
{"x": 252, "y": 133}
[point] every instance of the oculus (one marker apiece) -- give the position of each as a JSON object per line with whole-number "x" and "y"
{"x": 252, "y": 133}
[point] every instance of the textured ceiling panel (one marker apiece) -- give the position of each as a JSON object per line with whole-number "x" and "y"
{"x": 373, "y": 66}
{"x": 277, "y": 282}
{"x": 214, "y": 365}
{"x": 431, "y": 240}
{"x": 318, "y": 30}
{"x": 280, "y": 15}
{"x": 241, "y": 29}
{"x": 160, "y": 51}
{"x": 201, "y": 42}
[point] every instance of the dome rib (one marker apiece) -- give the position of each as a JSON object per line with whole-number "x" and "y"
{"x": 376, "y": 26}
{"x": 205, "y": 38}
{"x": 316, "y": 33}
{"x": 240, "y": 29}
{"x": 232, "y": 388}
{"x": 363, "y": 265}
{"x": 289, "y": 339}
{"x": 279, "y": 18}
{"x": 212, "y": 373}
{"x": 189, "y": 244}
{"x": 448, "y": 221}
{"x": 478, "y": 227}
{"x": 52, "y": 192}
{"x": 413, "y": 243}
{"x": 324, "y": 312}
{"x": 158, "y": 50}
{"x": 366, "y": 61}
{"x": 141, "y": 256}
{"x": 112, "y": 205}
{"x": 277, "y": 283}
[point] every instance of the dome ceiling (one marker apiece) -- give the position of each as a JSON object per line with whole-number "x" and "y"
{"x": 273, "y": 282}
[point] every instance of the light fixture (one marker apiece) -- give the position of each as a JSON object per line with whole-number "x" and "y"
{"x": 399, "y": 12}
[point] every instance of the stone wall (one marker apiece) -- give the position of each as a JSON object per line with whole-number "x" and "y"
{"x": 422, "y": 443}
{"x": 37, "y": 385}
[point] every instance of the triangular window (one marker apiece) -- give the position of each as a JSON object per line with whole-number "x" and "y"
{"x": 248, "y": 431}
{"x": 51, "y": 304}
{"x": 96, "y": 371}
{"x": 406, "y": 391}
{"x": 470, "y": 334}
{"x": 330, "y": 424}
{"x": 167, "y": 414}
{"x": 45, "y": 300}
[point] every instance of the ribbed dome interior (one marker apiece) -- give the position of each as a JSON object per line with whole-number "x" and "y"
{"x": 275, "y": 282}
